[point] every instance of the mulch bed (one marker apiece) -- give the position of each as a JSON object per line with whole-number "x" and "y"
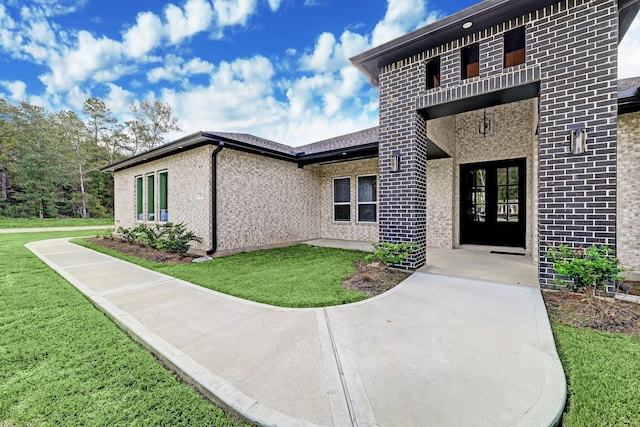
{"x": 373, "y": 280}
{"x": 583, "y": 310}
{"x": 143, "y": 252}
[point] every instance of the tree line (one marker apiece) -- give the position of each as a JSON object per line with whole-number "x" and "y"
{"x": 50, "y": 161}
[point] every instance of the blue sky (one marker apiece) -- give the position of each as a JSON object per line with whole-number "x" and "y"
{"x": 278, "y": 69}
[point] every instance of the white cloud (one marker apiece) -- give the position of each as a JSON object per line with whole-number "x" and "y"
{"x": 274, "y": 4}
{"x": 197, "y": 17}
{"x": 118, "y": 99}
{"x": 629, "y": 52}
{"x": 233, "y": 12}
{"x": 144, "y": 36}
{"x": 330, "y": 55}
{"x": 402, "y": 16}
{"x": 76, "y": 66}
{"x": 17, "y": 89}
{"x": 176, "y": 68}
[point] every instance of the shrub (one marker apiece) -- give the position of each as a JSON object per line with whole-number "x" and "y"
{"x": 168, "y": 237}
{"x": 584, "y": 268}
{"x": 387, "y": 253}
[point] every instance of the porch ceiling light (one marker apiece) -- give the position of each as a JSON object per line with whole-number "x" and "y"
{"x": 578, "y": 138}
{"x": 467, "y": 25}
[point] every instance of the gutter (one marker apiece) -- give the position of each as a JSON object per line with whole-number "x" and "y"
{"x": 214, "y": 199}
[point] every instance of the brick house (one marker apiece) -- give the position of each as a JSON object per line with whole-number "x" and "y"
{"x": 503, "y": 125}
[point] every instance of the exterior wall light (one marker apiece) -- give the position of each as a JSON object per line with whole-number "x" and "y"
{"x": 395, "y": 162}
{"x": 578, "y": 141}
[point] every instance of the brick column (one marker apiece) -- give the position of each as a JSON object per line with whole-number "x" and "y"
{"x": 402, "y": 194}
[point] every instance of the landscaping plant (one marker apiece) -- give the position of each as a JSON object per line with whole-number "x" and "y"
{"x": 594, "y": 267}
{"x": 168, "y": 237}
{"x": 387, "y": 253}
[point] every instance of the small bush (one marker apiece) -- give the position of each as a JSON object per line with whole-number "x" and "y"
{"x": 584, "y": 268}
{"x": 387, "y": 253}
{"x": 167, "y": 237}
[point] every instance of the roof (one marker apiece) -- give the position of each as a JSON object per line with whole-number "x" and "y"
{"x": 629, "y": 95}
{"x": 482, "y": 15}
{"x": 352, "y": 146}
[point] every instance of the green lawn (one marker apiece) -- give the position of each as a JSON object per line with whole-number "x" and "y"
{"x": 62, "y": 362}
{"x": 603, "y": 375}
{"x": 53, "y": 222}
{"x": 295, "y": 276}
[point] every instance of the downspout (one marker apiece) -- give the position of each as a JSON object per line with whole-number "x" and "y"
{"x": 214, "y": 199}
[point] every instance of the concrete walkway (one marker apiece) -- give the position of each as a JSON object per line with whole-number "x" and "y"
{"x": 47, "y": 229}
{"x": 435, "y": 350}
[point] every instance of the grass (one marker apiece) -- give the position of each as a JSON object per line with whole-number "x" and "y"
{"x": 53, "y": 222}
{"x": 294, "y": 276}
{"x": 62, "y": 362}
{"x": 603, "y": 375}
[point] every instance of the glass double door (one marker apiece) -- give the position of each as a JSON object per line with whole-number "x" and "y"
{"x": 492, "y": 203}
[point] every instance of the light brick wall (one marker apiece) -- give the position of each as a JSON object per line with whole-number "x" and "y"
{"x": 352, "y": 230}
{"x": 512, "y": 136}
{"x": 188, "y": 199}
{"x": 628, "y": 218}
{"x": 264, "y": 201}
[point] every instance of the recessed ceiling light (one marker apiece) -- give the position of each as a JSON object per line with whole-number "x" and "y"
{"x": 467, "y": 25}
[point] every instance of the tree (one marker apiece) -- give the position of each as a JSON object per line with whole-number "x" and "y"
{"x": 152, "y": 122}
{"x": 103, "y": 126}
{"x": 75, "y": 134}
{"x": 7, "y": 131}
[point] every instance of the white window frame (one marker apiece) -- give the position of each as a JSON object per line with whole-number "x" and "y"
{"x": 358, "y": 202}
{"x": 334, "y": 203}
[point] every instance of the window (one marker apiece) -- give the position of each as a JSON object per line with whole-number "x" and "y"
{"x": 342, "y": 199}
{"x": 151, "y": 215}
{"x": 433, "y": 73}
{"x": 139, "y": 199}
{"x": 164, "y": 209}
{"x": 367, "y": 198}
{"x": 514, "y": 47}
{"x": 470, "y": 57}
{"x": 508, "y": 194}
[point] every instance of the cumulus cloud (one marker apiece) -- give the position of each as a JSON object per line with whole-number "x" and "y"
{"x": 402, "y": 16}
{"x": 196, "y": 17}
{"x": 17, "y": 89}
{"x": 233, "y": 12}
{"x": 144, "y": 36}
{"x": 176, "y": 68}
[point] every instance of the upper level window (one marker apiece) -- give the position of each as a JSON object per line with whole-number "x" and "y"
{"x": 470, "y": 57}
{"x": 342, "y": 199}
{"x": 433, "y": 73}
{"x": 514, "y": 44}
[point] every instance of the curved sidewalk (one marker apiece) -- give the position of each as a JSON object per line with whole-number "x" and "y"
{"x": 435, "y": 350}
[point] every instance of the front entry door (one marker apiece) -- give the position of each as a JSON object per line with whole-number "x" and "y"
{"x": 492, "y": 203}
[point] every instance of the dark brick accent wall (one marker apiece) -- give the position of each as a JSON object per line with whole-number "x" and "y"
{"x": 571, "y": 49}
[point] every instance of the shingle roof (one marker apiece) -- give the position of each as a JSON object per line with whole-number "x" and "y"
{"x": 366, "y": 136}
{"x": 252, "y": 140}
{"x": 630, "y": 83}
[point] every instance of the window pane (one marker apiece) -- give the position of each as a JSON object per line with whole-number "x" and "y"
{"x": 367, "y": 189}
{"x": 367, "y": 213}
{"x": 342, "y": 190}
{"x": 139, "y": 208}
{"x": 164, "y": 209}
{"x": 502, "y": 176}
{"x": 513, "y": 175}
{"x": 150, "y": 198}
{"x": 481, "y": 177}
{"x": 513, "y": 213}
{"x": 342, "y": 212}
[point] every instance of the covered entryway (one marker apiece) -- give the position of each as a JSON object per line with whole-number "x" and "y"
{"x": 492, "y": 203}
